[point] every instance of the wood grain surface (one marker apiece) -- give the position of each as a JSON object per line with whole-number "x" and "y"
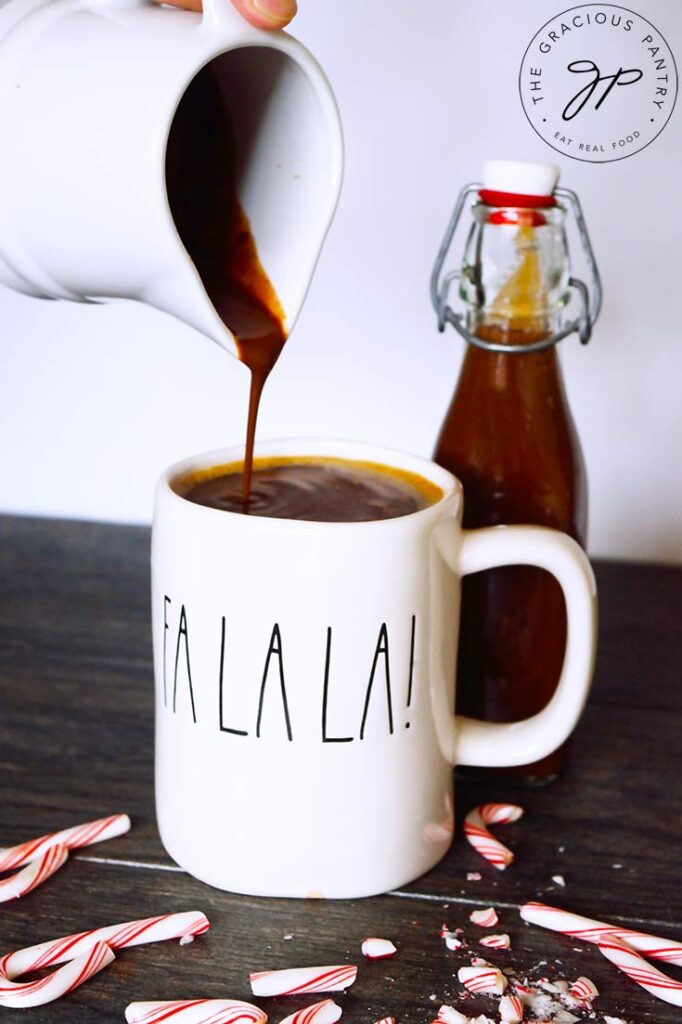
{"x": 76, "y": 741}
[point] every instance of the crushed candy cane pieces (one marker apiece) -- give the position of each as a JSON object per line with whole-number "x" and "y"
{"x": 511, "y": 1009}
{"x": 451, "y": 939}
{"x": 484, "y": 918}
{"x": 449, "y": 1015}
{"x": 496, "y": 941}
{"x": 386, "y": 1020}
{"x": 584, "y": 990}
{"x": 378, "y": 949}
{"x": 474, "y": 876}
{"x": 482, "y": 979}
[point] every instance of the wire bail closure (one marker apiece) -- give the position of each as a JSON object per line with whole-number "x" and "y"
{"x": 590, "y": 302}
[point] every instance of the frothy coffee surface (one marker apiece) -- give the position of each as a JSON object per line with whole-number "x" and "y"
{"x": 313, "y": 489}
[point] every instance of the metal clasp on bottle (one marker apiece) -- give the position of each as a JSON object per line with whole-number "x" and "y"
{"x": 590, "y": 300}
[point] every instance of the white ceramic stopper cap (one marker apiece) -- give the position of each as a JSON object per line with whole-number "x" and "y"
{"x": 520, "y": 177}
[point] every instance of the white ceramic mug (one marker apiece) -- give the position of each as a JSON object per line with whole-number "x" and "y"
{"x": 305, "y": 677}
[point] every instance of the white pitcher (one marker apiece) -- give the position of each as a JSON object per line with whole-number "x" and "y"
{"x": 88, "y": 91}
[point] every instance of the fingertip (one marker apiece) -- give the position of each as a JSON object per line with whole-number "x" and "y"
{"x": 267, "y": 14}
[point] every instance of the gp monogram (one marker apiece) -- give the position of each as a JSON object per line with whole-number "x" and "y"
{"x": 305, "y": 675}
{"x": 598, "y": 82}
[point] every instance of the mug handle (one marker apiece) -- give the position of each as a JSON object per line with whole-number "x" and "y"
{"x": 488, "y": 744}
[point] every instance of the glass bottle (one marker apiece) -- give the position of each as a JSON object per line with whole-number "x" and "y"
{"x": 510, "y": 438}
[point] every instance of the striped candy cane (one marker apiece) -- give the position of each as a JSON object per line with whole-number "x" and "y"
{"x": 195, "y": 1011}
{"x": 34, "y": 874}
{"x": 40, "y": 858}
{"x": 302, "y": 979}
{"x": 72, "y": 838}
{"x": 326, "y": 1012}
{"x": 84, "y": 955}
{"x": 635, "y": 967}
{"x": 483, "y": 841}
{"x": 585, "y": 928}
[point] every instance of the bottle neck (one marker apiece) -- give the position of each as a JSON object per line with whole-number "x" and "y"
{"x": 515, "y": 274}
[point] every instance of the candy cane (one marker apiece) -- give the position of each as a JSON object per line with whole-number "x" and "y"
{"x": 302, "y": 979}
{"x": 326, "y": 1012}
{"x": 34, "y": 874}
{"x": 72, "y": 838}
{"x": 483, "y": 841}
{"x": 482, "y": 979}
{"x": 84, "y": 955}
{"x": 584, "y": 928}
{"x": 195, "y": 1011}
{"x": 635, "y": 967}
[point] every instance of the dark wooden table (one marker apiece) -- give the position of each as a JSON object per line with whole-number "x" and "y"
{"x": 76, "y": 742}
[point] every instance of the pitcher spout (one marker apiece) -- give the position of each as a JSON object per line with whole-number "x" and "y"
{"x": 253, "y": 146}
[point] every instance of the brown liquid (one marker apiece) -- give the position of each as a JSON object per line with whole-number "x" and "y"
{"x": 323, "y": 490}
{"x": 200, "y": 181}
{"x": 509, "y": 437}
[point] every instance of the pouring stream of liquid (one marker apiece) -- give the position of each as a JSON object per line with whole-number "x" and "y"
{"x": 201, "y": 186}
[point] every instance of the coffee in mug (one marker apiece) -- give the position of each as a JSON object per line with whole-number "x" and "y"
{"x": 323, "y": 490}
{"x": 305, "y": 669}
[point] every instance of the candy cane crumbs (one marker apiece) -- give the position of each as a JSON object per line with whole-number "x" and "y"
{"x": 496, "y": 941}
{"x": 83, "y": 955}
{"x": 449, "y": 1015}
{"x": 452, "y": 940}
{"x": 584, "y": 990}
{"x": 325, "y": 1012}
{"x": 378, "y": 949}
{"x": 386, "y": 1020}
{"x": 42, "y": 857}
{"x": 482, "y": 979}
{"x": 511, "y": 1009}
{"x": 484, "y": 918}
{"x": 195, "y": 1011}
{"x": 482, "y": 840}
{"x": 302, "y": 979}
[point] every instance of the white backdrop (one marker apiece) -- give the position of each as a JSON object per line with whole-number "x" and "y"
{"x": 95, "y": 401}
